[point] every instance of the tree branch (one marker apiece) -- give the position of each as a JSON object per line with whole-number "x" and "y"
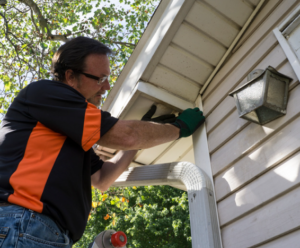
{"x": 6, "y": 35}
{"x": 59, "y": 37}
{"x": 6, "y": 24}
{"x": 32, "y": 19}
{"x": 124, "y": 43}
{"x": 23, "y": 12}
{"x": 43, "y": 22}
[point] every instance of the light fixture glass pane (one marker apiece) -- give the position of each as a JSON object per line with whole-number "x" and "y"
{"x": 266, "y": 115}
{"x": 252, "y": 116}
{"x": 250, "y": 96}
{"x": 276, "y": 92}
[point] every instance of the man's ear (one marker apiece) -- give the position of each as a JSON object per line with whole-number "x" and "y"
{"x": 70, "y": 78}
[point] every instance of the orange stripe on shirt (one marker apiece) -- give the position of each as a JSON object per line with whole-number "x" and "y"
{"x": 31, "y": 176}
{"x": 91, "y": 127}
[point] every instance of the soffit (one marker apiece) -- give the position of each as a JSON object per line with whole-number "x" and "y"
{"x": 189, "y": 45}
{"x": 201, "y": 40}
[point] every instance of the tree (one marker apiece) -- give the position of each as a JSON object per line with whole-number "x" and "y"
{"x": 151, "y": 216}
{"x": 32, "y": 30}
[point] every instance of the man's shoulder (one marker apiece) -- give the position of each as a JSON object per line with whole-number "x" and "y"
{"x": 46, "y": 84}
{"x": 52, "y": 87}
{"x": 52, "y": 92}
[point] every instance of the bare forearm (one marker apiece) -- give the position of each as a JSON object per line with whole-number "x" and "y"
{"x": 112, "y": 169}
{"x": 129, "y": 135}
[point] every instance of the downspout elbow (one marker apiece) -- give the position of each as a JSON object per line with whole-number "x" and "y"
{"x": 187, "y": 176}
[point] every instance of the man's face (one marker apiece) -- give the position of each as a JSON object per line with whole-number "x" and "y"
{"x": 96, "y": 65}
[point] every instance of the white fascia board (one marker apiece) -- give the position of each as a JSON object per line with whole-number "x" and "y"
{"x": 147, "y": 48}
{"x": 290, "y": 54}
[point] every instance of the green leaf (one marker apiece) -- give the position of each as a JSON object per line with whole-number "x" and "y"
{"x": 43, "y": 45}
{"x": 7, "y": 85}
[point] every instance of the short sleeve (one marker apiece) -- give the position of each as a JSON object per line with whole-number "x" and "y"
{"x": 64, "y": 110}
{"x": 96, "y": 162}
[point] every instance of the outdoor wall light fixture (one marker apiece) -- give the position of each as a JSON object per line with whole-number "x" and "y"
{"x": 264, "y": 97}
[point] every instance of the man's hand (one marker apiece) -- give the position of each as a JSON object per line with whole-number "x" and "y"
{"x": 112, "y": 169}
{"x": 160, "y": 119}
{"x": 188, "y": 121}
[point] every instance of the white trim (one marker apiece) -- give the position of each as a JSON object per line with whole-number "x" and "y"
{"x": 158, "y": 95}
{"x": 164, "y": 96}
{"x": 144, "y": 57}
{"x": 202, "y": 156}
{"x": 290, "y": 54}
{"x": 201, "y": 152}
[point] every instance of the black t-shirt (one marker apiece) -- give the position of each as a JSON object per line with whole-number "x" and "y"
{"x": 46, "y": 155}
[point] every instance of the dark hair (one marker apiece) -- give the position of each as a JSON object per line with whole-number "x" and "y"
{"x": 72, "y": 54}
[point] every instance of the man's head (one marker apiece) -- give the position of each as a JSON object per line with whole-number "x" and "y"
{"x": 82, "y": 63}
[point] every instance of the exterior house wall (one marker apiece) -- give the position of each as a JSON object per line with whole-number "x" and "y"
{"x": 255, "y": 168}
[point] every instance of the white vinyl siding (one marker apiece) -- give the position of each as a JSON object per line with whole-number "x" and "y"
{"x": 255, "y": 168}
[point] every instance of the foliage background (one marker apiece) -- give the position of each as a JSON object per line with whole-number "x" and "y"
{"x": 31, "y": 31}
{"x": 151, "y": 216}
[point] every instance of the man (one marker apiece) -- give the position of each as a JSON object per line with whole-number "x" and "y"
{"x": 47, "y": 163}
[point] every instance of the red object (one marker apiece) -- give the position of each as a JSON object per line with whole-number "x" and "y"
{"x": 118, "y": 239}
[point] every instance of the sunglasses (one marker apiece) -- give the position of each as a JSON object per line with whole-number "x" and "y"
{"x": 100, "y": 80}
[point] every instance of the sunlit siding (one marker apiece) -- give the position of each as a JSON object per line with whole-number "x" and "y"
{"x": 256, "y": 168}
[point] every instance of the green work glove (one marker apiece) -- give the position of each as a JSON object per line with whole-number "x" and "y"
{"x": 188, "y": 121}
{"x": 160, "y": 119}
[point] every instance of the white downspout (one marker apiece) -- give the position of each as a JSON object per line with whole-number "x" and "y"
{"x": 183, "y": 175}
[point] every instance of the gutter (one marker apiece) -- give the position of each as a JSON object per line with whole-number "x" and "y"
{"x": 186, "y": 176}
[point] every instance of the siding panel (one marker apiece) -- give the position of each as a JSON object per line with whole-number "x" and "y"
{"x": 231, "y": 123}
{"x": 256, "y": 168}
{"x": 251, "y": 136}
{"x": 261, "y": 33}
{"x": 266, "y": 154}
{"x": 275, "y": 57}
{"x": 278, "y": 180}
{"x": 289, "y": 241}
{"x": 275, "y": 218}
{"x": 240, "y": 72}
